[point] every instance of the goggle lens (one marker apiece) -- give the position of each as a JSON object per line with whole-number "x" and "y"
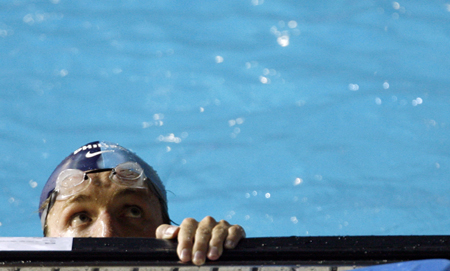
{"x": 70, "y": 182}
{"x": 128, "y": 174}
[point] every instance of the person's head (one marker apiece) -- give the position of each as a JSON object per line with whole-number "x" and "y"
{"x": 103, "y": 190}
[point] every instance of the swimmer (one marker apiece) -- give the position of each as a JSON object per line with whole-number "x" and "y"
{"x": 105, "y": 190}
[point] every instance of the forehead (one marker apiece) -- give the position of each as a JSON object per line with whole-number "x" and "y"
{"x": 100, "y": 178}
{"x": 102, "y": 190}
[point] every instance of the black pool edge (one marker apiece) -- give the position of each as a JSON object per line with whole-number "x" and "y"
{"x": 364, "y": 250}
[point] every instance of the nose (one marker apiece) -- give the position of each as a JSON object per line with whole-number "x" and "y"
{"x": 105, "y": 226}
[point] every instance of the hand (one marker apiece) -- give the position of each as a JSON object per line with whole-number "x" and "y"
{"x": 198, "y": 240}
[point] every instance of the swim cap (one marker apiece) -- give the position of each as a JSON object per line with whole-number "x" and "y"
{"x": 101, "y": 155}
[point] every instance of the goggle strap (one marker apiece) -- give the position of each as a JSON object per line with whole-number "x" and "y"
{"x": 44, "y": 215}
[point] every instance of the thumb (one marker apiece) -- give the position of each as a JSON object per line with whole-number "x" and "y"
{"x": 166, "y": 231}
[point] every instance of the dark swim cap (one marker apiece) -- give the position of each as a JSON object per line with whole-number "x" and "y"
{"x": 102, "y": 155}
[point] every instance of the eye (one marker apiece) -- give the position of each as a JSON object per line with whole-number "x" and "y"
{"x": 134, "y": 212}
{"x": 79, "y": 219}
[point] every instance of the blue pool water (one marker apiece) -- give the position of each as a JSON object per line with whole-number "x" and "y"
{"x": 287, "y": 117}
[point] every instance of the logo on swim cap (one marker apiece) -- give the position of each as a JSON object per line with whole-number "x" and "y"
{"x": 90, "y": 155}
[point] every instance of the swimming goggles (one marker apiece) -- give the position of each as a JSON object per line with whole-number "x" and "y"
{"x": 73, "y": 181}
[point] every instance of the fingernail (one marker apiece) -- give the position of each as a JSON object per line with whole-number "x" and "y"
{"x": 185, "y": 255}
{"x": 213, "y": 253}
{"x": 199, "y": 258}
{"x": 229, "y": 244}
{"x": 169, "y": 231}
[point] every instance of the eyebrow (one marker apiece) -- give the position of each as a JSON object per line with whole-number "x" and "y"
{"x": 132, "y": 192}
{"x": 77, "y": 199}
{"x": 121, "y": 193}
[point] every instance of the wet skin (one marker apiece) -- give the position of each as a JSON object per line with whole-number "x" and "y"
{"x": 106, "y": 209}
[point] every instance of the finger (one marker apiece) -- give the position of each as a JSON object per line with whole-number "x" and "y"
{"x": 219, "y": 233}
{"x": 186, "y": 236}
{"x": 202, "y": 238}
{"x": 235, "y": 234}
{"x": 166, "y": 231}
